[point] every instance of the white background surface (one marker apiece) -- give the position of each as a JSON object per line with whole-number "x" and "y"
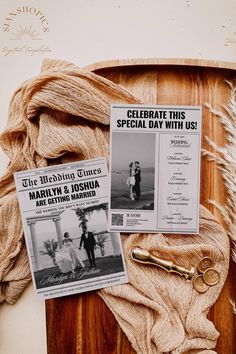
{"x": 89, "y": 31}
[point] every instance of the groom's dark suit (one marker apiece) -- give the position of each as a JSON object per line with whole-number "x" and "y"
{"x": 89, "y": 243}
{"x": 137, "y": 176}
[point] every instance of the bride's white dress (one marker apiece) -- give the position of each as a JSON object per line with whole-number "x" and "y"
{"x": 131, "y": 179}
{"x": 68, "y": 259}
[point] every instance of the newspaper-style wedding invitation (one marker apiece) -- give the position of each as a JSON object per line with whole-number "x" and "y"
{"x": 64, "y": 211}
{"x": 155, "y": 168}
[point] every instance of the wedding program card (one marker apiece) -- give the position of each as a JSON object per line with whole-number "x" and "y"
{"x": 64, "y": 213}
{"x": 155, "y": 168}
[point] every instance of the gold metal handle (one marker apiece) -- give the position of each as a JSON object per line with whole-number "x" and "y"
{"x": 141, "y": 255}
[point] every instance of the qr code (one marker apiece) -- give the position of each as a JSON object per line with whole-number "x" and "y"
{"x": 117, "y": 219}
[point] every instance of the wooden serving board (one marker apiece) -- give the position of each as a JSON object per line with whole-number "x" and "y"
{"x": 82, "y": 324}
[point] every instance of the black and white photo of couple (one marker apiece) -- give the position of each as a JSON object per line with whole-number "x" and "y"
{"x": 132, "y": 171}
{"x": 69, "y": 258}
{"x": 134, "y": 180}
{"x": 73, "y": 245}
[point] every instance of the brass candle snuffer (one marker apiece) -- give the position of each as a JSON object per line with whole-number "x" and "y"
{"x": 201, "y": 282}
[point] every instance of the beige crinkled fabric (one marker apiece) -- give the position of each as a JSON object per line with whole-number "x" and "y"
{"x": 59, "y": 116}
{"x": 62, "y": 115}
{"x": 161, "y": 312}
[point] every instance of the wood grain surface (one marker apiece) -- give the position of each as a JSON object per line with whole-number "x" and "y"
{"x": 82, "y": 324}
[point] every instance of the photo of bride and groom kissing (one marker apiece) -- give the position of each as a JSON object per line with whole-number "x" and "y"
{"x": 134, "y": 180}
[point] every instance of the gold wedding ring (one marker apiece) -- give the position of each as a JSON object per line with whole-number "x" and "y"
{"x": 199, "y": 284}
{"x": 211, "y": 276}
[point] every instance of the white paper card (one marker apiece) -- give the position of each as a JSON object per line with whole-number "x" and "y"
{"x": 64, "y": 214}
{"x": 155, "y": 168}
